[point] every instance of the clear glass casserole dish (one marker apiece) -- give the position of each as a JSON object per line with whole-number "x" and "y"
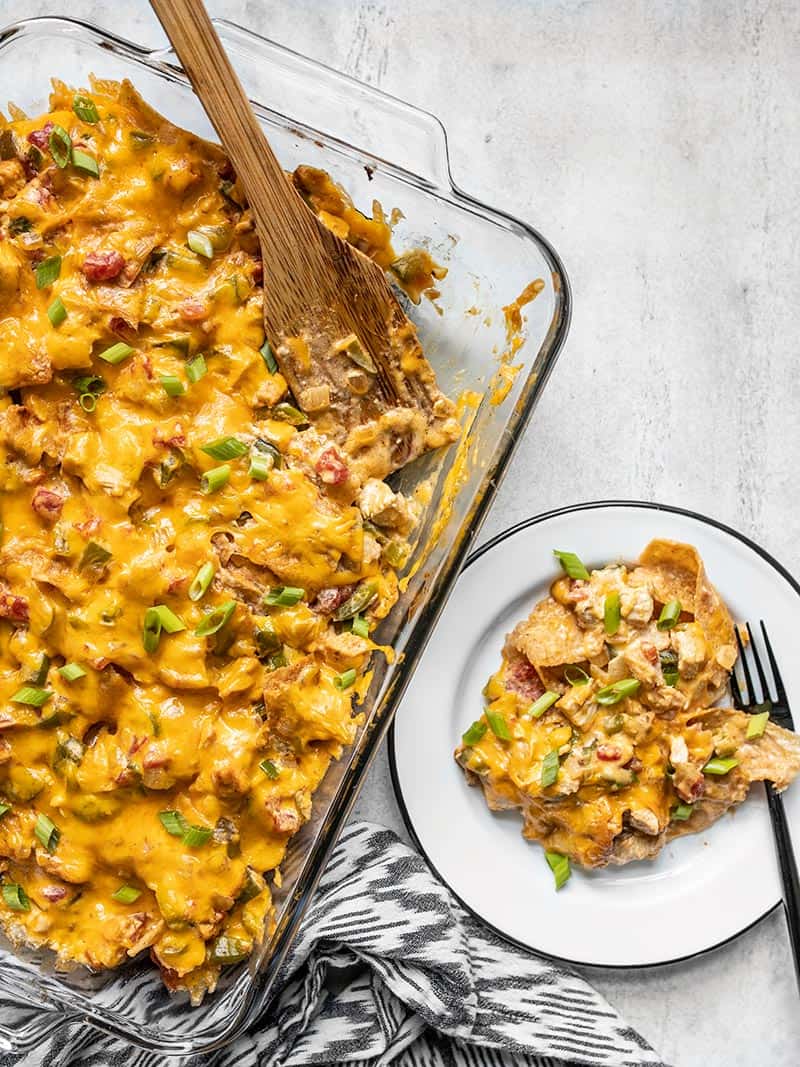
{"x": 378, "y": 148}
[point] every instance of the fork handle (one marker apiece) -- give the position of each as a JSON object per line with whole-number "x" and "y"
{"x": 788, "y": 868}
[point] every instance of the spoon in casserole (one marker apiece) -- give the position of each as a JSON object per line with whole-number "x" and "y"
{"x": 339, "y": 335}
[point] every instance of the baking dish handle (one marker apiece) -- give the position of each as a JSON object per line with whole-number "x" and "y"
{"x": 24, "y": 1025}
{"x": 313, "y": 98}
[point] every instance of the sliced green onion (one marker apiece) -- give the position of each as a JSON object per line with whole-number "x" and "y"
{"x": 200, "y": 243}
{"x": 284, "y": 596}
{"x": 269, "y": 358}
{"x": 560, "y": 867}
{"x": 681, "y": 812}
{"x": 40, "y": 677}
{"x": 357, "y": 602}
{"x": 756, "y": 725}
{"x": 345, "y": 680}
{"x": 284, "y": 412}
{"x": 611, "y": 613}
{"x": 225, "y": 448}
{"x": 47, "y": 832}
{"x": 173, "y": 822}
{"x": 48, "y": 271}
{"x": 360, "y": 626}
{"x": 227, "y": 950}
{"x": 83, "y": 161}
{"x": 88, "y": 401}
{"x": 85, "y": 109}
{"x": 116, "y": 353}
{"x": 172, "y": 385}
{"x": 260, "y": 465}
{"x": 71, "y": 672}
{"x": 196, "y": 369}
{"x": 94, "y": 557}
{"x": 576, "y": 675}
{"x": 550, "y": 768}
{"x": 3, "y": 809}
{"x": 670, "y": 614}
{"x": 89, "y": 383}
{"x": 498, "y": 725}
{"x": 57, "y": 312}
{"x": 32, "y": 696}
{"x": 126, "y": 894}
{"x": 572, "y": 564}
{"x": 621, "y": 690}
{"x": 15, "y": 897}
{"x": 156, "y": 619}
{"x": 202, "y": 580}
{"x": 212, "y": 481}
{"x": 540, "y": 706}
{"x": 720, "y": 765}
{"x": 196, "y": 836}
{"x": 60, "y": 144}
{"x": 269, "y": 768}
{"x": 475, "y": 733}
{"x": 216, "y": 619}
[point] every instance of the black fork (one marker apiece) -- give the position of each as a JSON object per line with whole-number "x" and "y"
{"x": 773, "y": 700}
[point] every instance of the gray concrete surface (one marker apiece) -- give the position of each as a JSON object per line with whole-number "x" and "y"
{"x": 658, "y": 146}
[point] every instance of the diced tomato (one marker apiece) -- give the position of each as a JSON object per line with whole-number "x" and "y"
{"x": 331, "y": 468}
{"x": 54, "y": 893}
{"x": 14, "y": 608}
{"x": 521, "y": 677}
{"x": 650, "y": 653}
{"x": 103, "y": 266}
{"x": 193, "y": 310}
{"x": 328, "y": 600}
{"x": 41, "y": 138}
{"x": 609, "y": 753}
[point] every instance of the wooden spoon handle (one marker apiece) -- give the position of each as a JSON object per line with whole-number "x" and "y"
{"x": 283, "y": 221}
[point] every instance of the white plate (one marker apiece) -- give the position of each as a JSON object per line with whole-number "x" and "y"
{"x": 702, "y": 889}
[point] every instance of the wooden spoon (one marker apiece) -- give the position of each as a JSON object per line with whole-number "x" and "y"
{"x": 324, "y": 302}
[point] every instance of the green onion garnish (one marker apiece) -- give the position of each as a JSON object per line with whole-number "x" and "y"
{"x": 540, "y": 706}
{"x": 57, "y": 312}
{"x": 83, "y": 161}
{"x": 173, "y": 822}
{"x": 212, "y": 481}
{"x": 89, "y": 383}
{"x": 572, "y": 564}
{"x": 116, "y": 353}
{"x": 756, "y": 725}
{"x": 200, "y": 243}
{"x": 47, "y": 832}
{"x": 497, "y": 723}
{"x": 15, "y": 897}
{"x": 31, "y": 695}
{"x": 681, "y": 812}
{"x": 360, "y": 626}
{"x": 475, "y": 733}
{"x": 345, "y": 680}
{"x": 560, "y": 867}
{"x": 88, "y": 401}
{"x": 284, "y": 412}
{"x": 269, "y": 768}
{"x": 670, "y": 614}
{"x": 576, "y": 675}
{"x": 93, "y": 557}
{"x": 357, "y": 603}
{"x": 48, "y": 271}
{"x": 269, "y": 358}
{"x": 611, "y": 613}
{"x": 172, "y": 385}
{"x": 126, "y": 894}
{"x": 261, "y": 463}
{"x": 202, "y": 580}
{"x": 85, "y": 109}
{"x": 285, "y": 596}
{"x": 4, "y": 808}
{"x": 60, "y": 146}
{"x": 621, "y": 690}
{"x": 71, "y": 672}
{"x": 40, "y": 676}
{"x": 156, "y": 619}
{"x": 550, "y": 768}
{"x": 196, "y": 836}
{"x": 225, "y": 448}
{"x": 196, "y": 369}
{"x": 720, "y": 765}
{"x": 216, "y": 619}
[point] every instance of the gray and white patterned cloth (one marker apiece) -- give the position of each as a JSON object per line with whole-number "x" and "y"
{"x": 390, "y": 969}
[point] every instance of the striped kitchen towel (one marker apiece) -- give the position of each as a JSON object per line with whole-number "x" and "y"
{"x": 390, "y": 969}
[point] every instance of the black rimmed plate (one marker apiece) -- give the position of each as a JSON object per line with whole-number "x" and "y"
{"x": 702, "y": 889}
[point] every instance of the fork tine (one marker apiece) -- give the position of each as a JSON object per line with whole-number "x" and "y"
{"x": 776, "y": 674}
{"x": 748, "y": 681}
{"x": 765, "y": 693}
{"x": 736, "y": 692}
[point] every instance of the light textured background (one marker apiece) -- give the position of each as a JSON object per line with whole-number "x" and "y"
{"x": 658, "y": 146}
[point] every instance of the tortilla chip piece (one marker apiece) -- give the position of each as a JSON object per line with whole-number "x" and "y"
{"x": 551, "y": 636}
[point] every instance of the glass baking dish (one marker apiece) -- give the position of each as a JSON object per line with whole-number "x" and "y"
{"x": 378, "y": 148}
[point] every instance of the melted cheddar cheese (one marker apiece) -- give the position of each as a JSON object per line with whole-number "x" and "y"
{"x": 151, "y": 775}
